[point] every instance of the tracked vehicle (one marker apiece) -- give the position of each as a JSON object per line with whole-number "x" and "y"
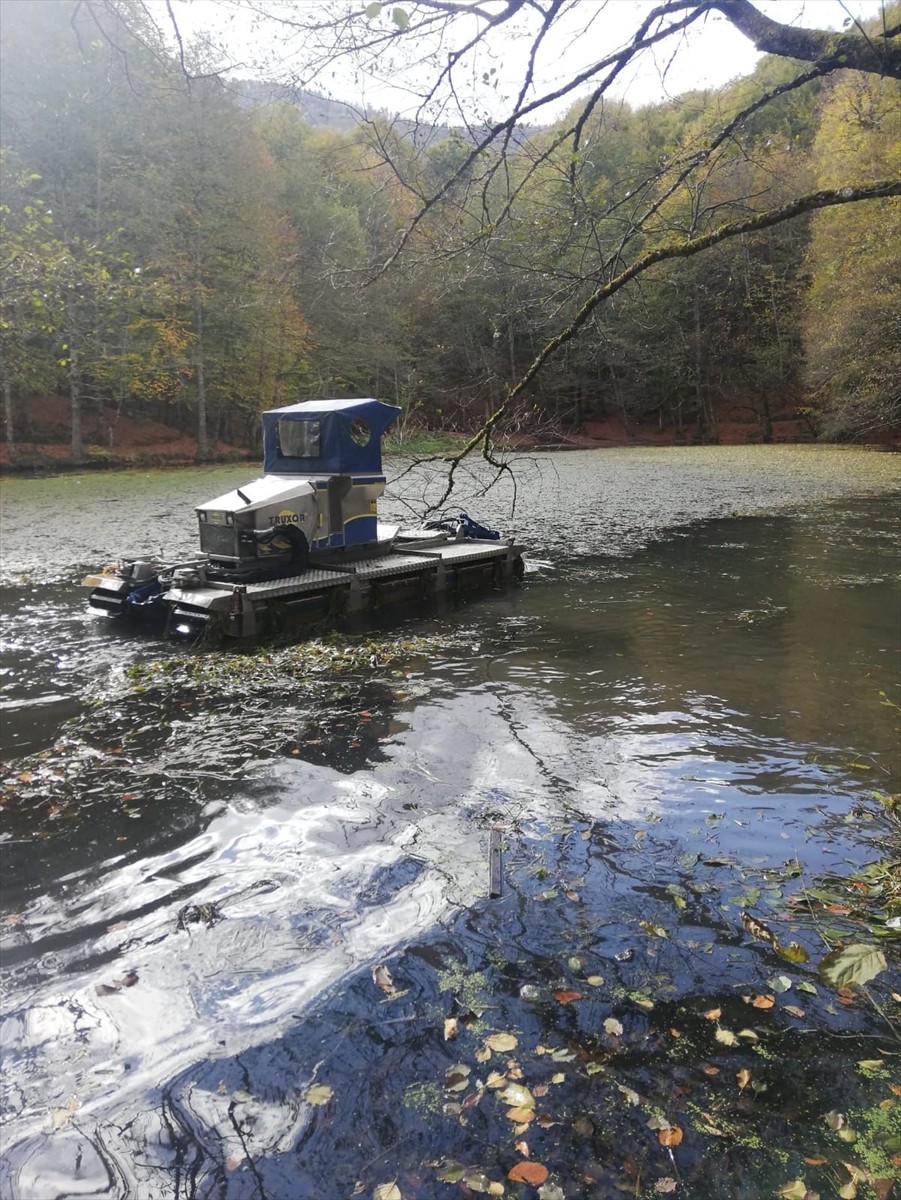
{"x": 304, "y": 538}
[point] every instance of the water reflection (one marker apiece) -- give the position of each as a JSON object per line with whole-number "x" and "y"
{"x": 667, "y": 739}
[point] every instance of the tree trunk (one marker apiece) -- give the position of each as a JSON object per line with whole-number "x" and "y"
{"x": 9, "y": 418}
{"x": 203, "y": 444}
{"x": 77, "y": 442}
{"x": 706, "y": 416}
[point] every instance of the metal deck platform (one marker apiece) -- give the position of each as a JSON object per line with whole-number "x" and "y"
{"x": 439, "y": 566}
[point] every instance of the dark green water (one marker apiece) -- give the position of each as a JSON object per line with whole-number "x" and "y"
{"x": 688, "y": 711}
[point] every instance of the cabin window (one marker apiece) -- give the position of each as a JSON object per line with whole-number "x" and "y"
{"x": 298, "y": 439}
{"x": 360, "y": 433}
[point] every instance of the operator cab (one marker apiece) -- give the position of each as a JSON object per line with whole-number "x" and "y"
{"x": 323, "y": 464}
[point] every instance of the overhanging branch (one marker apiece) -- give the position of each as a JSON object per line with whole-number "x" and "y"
{"x": 879, "y": 54}
{"x": 811, "y": 202}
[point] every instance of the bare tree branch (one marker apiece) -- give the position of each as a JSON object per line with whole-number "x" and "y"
{"x": 803, "y": 204}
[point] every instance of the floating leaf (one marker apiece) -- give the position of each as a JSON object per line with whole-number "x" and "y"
{"x": 387, "y": 1191}
{"x": 565, "y": 997}
{"x": 757, "y": 929}
{"x": 613, "y": 1027}
{"x": 653, "y": 929}
{"x": 520, "y": 1116}
{"x": 765, "y": 1001}
{"x": 713, "y": 1014}
{"x": 451, "y": 1172}
{"x": 319, "y": 1094}
{"x": 744, "y": 1078}
{"x": 857, "y": 963}
{"x": 60, "y": 1116}
{"x": 670, "y": 1137}
{"x": 241, "y": 1097}
{"x": 793, "y": 1010}
{"x": 476, "y": 1180}
{"x": 518, "y": 1096}
{"x": 457, "y": 1077}
{"x": 496, "y": 1080}
{"x": 796, "y": 1190}
{"x": 551, "y": 1191}
{"x": 382, "y": 977}
{"x": 667, "y": 1184}
{"x": 726, "y": 1037}
{"x": 595, "y": 980}
{"x": 373, "y": 10}
{"x": 808, "y": 987}
{"x": 501, "y": 1042}
{"x": 857, "y": 1175}
{"x": 780, "y": 983}
{"x": 628, "y": 1095}
{"x": 528, "y": 1172}
{"x": 561, "y": 1054}
{"x": 400, "y": 18}
{"x": 793, "y": 951}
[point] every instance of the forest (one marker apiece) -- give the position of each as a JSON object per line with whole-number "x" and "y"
{"x": 190, "y": 248}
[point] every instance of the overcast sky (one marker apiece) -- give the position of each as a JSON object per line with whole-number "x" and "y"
{"x": 710, "y": 55}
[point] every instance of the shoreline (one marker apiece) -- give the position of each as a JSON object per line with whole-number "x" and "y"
{"x": 147, "y": 446}
{"x": 35, "y": 464}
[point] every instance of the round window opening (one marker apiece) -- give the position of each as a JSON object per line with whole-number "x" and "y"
{"x": 360, "y": 432}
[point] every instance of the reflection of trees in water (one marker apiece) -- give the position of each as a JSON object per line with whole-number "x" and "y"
{"x": 240, "y": 1125}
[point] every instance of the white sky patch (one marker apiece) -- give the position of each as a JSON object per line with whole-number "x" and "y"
{"x": 707, "y": 56}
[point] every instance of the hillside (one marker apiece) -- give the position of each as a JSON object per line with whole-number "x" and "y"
{"x": 111, "y": 440}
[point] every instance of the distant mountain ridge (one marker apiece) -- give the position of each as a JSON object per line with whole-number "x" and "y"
{"x": 324, "y": 112}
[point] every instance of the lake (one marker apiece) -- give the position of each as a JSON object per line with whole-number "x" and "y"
{"x": 247, "y": 944}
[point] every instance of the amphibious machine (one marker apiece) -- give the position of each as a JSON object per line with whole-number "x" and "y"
{"x": 304, "y": 538}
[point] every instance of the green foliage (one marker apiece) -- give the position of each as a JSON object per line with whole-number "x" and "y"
{"x": 852, "y": 330}
{"x": 856, "y": 963}
{"x": 170, "y": 252}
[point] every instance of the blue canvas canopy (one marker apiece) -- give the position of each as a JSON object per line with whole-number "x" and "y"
{"x": 326, "y": 437}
